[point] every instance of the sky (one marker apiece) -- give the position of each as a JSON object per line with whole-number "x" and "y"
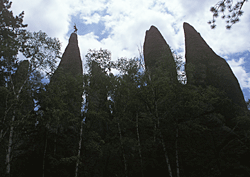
{"x": 120, "y": 26}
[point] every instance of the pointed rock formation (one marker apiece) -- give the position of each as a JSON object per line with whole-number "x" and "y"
{"x": 66, "y": 81}
{"x": 157, "y": 52}
{"x": 204, "y": 67}
{"x": 71, "y": 60}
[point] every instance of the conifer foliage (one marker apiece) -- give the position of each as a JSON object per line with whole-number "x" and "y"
{"x": 117, "y": 119}
{"x": 229, "y": 10}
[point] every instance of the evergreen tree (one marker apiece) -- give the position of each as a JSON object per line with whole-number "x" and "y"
{"x": 20, "y": 80}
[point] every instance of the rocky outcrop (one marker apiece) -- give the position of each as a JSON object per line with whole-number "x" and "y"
{"x": 157, "y": 53}
{"x": 66, "y": 82}
{"x": 204, "y": 67}
{"x": 71, "y": 60}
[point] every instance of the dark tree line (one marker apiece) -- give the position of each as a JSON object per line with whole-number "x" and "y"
{"x": 131, "y": 123}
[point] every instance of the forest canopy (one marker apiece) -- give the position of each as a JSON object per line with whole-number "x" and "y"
{"x": 134, "y": 123}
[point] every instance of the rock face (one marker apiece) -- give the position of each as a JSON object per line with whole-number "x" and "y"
{"x": 66, "y": 82}
{"x": 204, "y": 67}
{"x": 71, "y": 61}
{"x": 157, "y": 52}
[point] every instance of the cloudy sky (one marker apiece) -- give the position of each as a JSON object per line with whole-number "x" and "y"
{"x": 120, "y": 26}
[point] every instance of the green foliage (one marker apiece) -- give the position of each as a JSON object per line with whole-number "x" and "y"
{"x": 127, "y": 119}
{"x": 125, "y": 123}
{"x": 101, "y": 57}
{"x": 20, "y": 81}
{"x": 10, "y": 28}
{"x": 42, "y": 50}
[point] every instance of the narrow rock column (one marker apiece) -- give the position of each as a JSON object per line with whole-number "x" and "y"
{"x": 204, "y": 67}
{"x": 157, "y": 53}
{"x": 71, "y": 60}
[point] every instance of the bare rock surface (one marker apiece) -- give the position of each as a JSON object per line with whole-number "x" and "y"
{"x": 157, "y": 52}
{"x": 204, "y": 67}
{"x": 71, "y": 60}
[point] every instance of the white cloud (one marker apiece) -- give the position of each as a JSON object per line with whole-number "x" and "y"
{"x": 126, "y": 22}
{"x": 129, "y": 19}
{"x": 239, "y": 71}
{"x": 92, "y": 43}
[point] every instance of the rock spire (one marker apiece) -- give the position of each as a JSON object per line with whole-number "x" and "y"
{"x": 71, "y": 60}
{"x": 157, "y": 52}
{"x": 66, "y": 82}
{"x": 204, "y": 67}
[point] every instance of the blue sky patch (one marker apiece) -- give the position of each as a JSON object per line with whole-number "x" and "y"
{"x": 246, "y": 66}
{"x": 97, "y": 28}
{"x": 237, "y": 56}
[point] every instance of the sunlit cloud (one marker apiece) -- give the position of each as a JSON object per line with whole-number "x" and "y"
{"x": 122, "y": 25}
{"x": 239, "y": 71}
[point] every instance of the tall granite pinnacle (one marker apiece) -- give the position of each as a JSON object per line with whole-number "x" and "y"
{"x": 71, "y": 61}
{"x": 157, "y": 52}
{"x": 66, "y": 81}
{"x": 204, "y": 67}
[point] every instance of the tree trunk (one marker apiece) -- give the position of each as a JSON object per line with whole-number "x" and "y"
{"x": 55, "y": 140}
{"x": 155, "y": 130}
{"x": 176, "y": 149}
{"x": 44, "y": 152}
{"x": 9, "y": 149}
{"x": 79, "y": 150}
{"x": 2, "y": 134}
{"x": 162, "y": 141}
{"x": 8, "y": 155}
{"x": 123, "y": 154}
{"x": 166, "y": 157}
{"x": 139, "y": 144}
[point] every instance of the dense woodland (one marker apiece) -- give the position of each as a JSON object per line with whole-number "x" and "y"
{"x": 133, "y": 123}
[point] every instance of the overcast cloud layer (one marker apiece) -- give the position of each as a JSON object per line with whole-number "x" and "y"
{"x": 120, "y": 26}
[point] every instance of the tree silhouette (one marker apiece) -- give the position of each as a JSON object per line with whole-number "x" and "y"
{"x": 230, "y": 12}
